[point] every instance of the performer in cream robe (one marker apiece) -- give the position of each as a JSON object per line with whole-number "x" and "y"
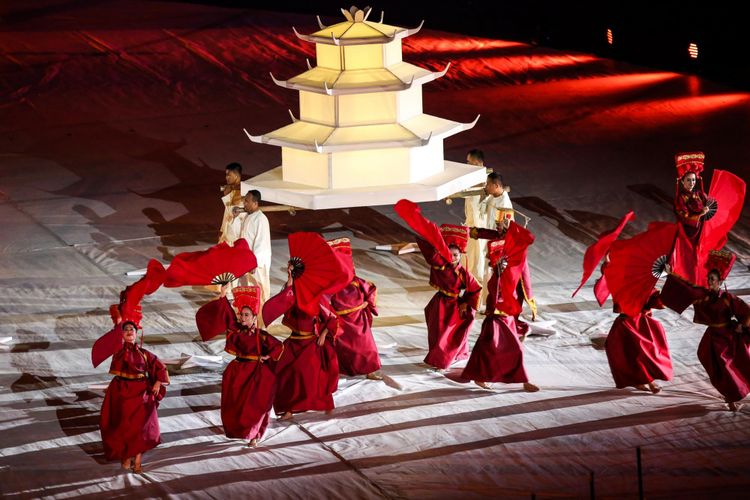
{"x": 232, "y": 196}
{"x": 475, "y": 249}
{"x": 255, "y": 229}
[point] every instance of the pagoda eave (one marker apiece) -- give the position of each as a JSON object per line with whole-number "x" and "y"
{"x": 417, "y": 76}
{"x": 370, "y": 40}
{"x": 454, "y": 178}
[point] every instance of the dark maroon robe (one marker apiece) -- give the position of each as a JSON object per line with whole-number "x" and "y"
{"x": 129, "y": 423}
{"x": 447, "y": 328}
{"x": 355, "y": 346}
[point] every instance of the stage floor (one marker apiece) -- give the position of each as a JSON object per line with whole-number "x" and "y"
{"x": 116, "y": 121}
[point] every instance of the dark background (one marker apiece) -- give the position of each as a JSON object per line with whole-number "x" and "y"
{"x": 654, "y": 34}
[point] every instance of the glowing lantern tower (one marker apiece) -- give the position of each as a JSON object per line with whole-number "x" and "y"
{"x": 361, "y": 138}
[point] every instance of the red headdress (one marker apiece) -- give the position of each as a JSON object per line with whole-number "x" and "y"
{"x": 722, "y": 261}
{"x": 457, "y": 236}
{"x": 317, "y": 270}
{"x": 689, "y": 163}
{"x": 343, "y": 250}
{"x": 246, "y": 296}
{"x": 127, "y": 311}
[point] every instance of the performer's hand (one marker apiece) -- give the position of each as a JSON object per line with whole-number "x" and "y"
{"x": 236, "y": 211}
{"x": 224, "y": 290}
{"x": 704, "y": 211}
{"x": 264, "y": 358}
{"x": 322, "y": 338}
{"x": 289, "y": 279}
{"x": 155, "y": 388}
{"x": 462, "y": 309}
{"x": 502, "y": 264}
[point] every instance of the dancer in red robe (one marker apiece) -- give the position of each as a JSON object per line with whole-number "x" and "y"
{"x": 497, "y": 355}
{"x": 450, "y": 313}
{"x": 355, "y": 305}
{"x": 690, "y": 202}
{"x": 308, "y": 370}
{"x": 249, "y": 382}
{"x": 129, "y": 423}
{"x": 724, "y": 350}
{"x": 637, "y": 350}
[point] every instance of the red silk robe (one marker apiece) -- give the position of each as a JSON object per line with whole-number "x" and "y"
{"x": 723, "y": 352}
{"x": 248, "y": 384}
{"x": 355, "y": 347}
{"x": 129, "y": 423}
{"x": 637, "y": 349}
{"x": 308, "y": 374}
{"x": 497, "y": 355}
{"x": 688, "y": 207}
{"x": 447, "y": 329}
{"x": 523, "y": 292}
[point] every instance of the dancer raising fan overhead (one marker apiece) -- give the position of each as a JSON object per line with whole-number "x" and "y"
{"x": 450, "y": 313}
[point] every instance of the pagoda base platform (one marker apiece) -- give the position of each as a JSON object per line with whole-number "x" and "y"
{"x": 454, "y": 178}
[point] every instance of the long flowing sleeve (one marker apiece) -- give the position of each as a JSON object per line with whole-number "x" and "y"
{"x": 480, "y": 233}
{"x": 271, "y": 346}
{"x": 473, "y": 289}
{"x": 740, "y": 310}
{"x": 430, "y": 254}
{"x": 215, "y": 318}
{"x": 371, "y": 295}
{"x": 278, "y": 305}
{"x": 329, "y": 320}
{"x": 156, "y": 369}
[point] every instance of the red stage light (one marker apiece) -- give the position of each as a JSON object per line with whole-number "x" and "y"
{"x": 609, "y": 36}
{"x": 693, "y": 51}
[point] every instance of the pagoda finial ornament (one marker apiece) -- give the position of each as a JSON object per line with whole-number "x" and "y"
{"x": 356, "y": 15}
{"x": 361, "y": 137}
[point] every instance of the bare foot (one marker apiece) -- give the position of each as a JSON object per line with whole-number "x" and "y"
{"x": 286, "y": 416}
{"x": 483, "y": 385}
{"x": 253, "y": 443}
{"x": 374, "y": 376}
{"x": 642, "y": 387}
{"x": 733, "y": 406}
{"x": 127, "y": 464}
{"x": 654, "y": 387}
{"x": 528, "y": 387}
{"x": 437, "y": 370}
{"x": 137, "y": 464}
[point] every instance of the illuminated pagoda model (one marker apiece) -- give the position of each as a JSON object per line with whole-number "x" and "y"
{"x": 361, "y": 138}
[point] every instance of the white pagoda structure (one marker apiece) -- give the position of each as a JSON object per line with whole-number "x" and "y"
{"x": 361, "y": 138}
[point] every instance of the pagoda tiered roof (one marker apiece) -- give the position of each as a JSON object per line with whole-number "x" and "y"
{"x": 414, "y": 132}
{"x": 357, "y": 33}
{"x": 399, "y": 76}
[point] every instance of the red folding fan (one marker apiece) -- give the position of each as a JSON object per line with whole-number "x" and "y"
{"x": 635, "y": 265}
{"x": 596, "y": 251}
{"x": 218, "y": 265}
{"x": 726, "y": 197}
{"x": 316, "y": 270}
{"x": 412, "y": 215}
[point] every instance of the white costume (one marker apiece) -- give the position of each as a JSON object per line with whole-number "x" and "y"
{"x": 257, "y": 232}
{"x": 230, "y": 226}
